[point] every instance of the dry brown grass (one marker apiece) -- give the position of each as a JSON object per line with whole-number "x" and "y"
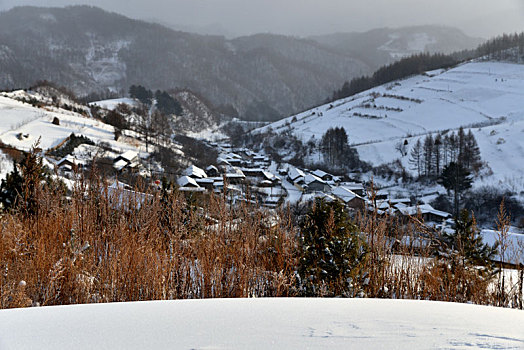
{"x": 94, "y": 248}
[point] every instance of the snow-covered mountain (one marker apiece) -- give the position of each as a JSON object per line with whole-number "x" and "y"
{"x": 89, "y": 50}
{"x": 263, "y": 76}
{"x": 485, "y": 97}
{"x": 385, "y": 45}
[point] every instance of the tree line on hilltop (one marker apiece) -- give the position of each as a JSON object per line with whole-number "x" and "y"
{"x": 497, "y": 48}
{"x": 415, "y": 64}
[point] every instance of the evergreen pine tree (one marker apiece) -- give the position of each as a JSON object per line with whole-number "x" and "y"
{"x": 332, "y": 252}
{"x": 465, "y": 263}
{"x": 11, "y": 188}
{"x": 466, "y": 240}
{"x": 457, "y": 179}
{"x": 20, "y": 188}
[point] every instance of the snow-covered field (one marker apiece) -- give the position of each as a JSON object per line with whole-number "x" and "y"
{"x": 21, "y": 125}
{"x": 486, "y": 97}
{"x": 264, "y": 324}
{"x": 113, "y": 103}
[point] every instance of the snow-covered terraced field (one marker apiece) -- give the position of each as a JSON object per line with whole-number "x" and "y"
{"x": 486, "y": 97}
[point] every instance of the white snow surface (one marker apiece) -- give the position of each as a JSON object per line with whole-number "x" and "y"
{"x": 21, "y": 125}
{"x": 474, "y": 95}
{"x": 113, "y": 103}
{"x": 264, "y": 324}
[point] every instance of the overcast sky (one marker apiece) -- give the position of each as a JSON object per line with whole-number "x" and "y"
{"x": 482, "y": 18}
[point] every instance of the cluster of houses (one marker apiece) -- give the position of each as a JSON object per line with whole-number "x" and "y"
{"x": 246, "y": 175}
{"x": 240, "y": 181}
{"x": 83, "y": 155}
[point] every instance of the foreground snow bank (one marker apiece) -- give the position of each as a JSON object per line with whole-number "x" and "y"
{"x": 264, "y": 324}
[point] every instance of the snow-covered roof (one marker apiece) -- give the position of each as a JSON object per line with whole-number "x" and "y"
{"x": 186, "y": 181}
{"x": 321, "y": 195}
{"x": 423, "y": 209}
{"x": 194, "y": 171}
{"x": 223, "y": 161}
{"x": 191, "y": 189}
{"x": 400, "y": 205}
{"x": 353, "y": 186}
{"x": 68, "y": 158}
{"x": 235, "y": 176}
{"x": 295, "y": 173}
{"x": 121, "y": 164}
{"x": 344, "y": 193}
{"x": 233, "y": 156}
{"x": 310, "y": 178}
{"x": 320, "y": 173}
{"x": 129, "y": 155}
{"x": 252, "y": 170}
{"x": 270, "y": 176}
{"x": 206, "y": 180}
{"x": 235, "y": 170}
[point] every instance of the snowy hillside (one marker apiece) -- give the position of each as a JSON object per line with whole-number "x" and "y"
{"x": 264, "y": 324}
{"x": 487, "y": 97}
{"x": 21, "y": 125}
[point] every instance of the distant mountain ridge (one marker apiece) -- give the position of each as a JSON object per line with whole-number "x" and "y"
{"x": 385, "y": 45}
{"x": 86, "y": 49}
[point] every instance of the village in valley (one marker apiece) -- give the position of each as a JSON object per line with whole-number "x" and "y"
{"x": 247, "y": 176}
{"x": 261, "y": 175}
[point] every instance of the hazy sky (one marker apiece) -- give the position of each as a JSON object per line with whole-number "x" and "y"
{"x": 483, "y": 18}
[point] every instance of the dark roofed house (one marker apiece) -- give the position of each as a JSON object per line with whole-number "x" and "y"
{"x": 354, "y": 187}
{"x": 129, "y": 157}
{"x": 428, "y": 213}
{"x": 235, "y": 178}
{"x": 212, "y": 171}
{"x": 315, "y": 184}
{"x": 323, "y": 175}
{"x": 127, "y": 160}
{"x": 68, "y": 163}
{"x": 206, "y": 183}
{"x": 350, "y": 198}
{"x": 294, "y": 175}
